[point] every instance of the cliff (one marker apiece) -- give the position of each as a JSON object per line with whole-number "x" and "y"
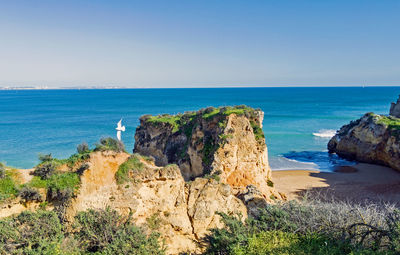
{"x": 371, "y": 139}
{"x": 157, "y": 198}
{"x": 227, "y": 142}
{"x": 185, "y": 169}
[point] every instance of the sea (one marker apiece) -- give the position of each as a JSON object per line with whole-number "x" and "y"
{"x": 298, "y": 122}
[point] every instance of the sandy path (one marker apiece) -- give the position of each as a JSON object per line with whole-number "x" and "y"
{"x": 368, "y": 182}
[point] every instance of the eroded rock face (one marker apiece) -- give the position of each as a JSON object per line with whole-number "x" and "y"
{"x": 371, "y": 139}
{"x": 227, "y": 142}
{"x": 395, "y": 109}
{"x": 184, "y": 211}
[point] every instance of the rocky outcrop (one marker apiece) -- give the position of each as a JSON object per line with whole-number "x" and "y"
{"x": 371, "y": 139}
{"x": 191, "y": 167}
{"x": 227, "y": 142}
{"x": 157, "y": 198}
{"x": 395, "y": 109}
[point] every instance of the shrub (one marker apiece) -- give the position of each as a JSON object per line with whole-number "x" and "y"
{"x": 279, "y": 242}
{"x": 31, "y": 233}
{"x": 107, "y": 232}
{"x": 45, "y": 157}
{"x": 62, "y": 186}
{"x": 2, "y": 171}
{"x": 110, "y": 144}
{"x": 8, "y": 187}
{"x": 83, "y": 148}
{"x": 30, "y": 194}
{"x": 344, "y": 228}
{"x": 75, "y": 158}
{"x": 45, "y": 169}
{"x": 82, "y": 168}
{"x": 133, "y": 164}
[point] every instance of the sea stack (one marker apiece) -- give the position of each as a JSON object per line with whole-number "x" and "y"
{"x": 395, "y": 109}
{"x": 227, "y": 142}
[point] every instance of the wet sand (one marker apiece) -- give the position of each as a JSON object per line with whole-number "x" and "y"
{"x": 361, "y": 182}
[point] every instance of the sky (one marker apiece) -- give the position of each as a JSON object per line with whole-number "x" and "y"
{"x": 207, "y": 43}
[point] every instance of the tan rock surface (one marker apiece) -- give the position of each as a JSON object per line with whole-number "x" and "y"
{"x": 185, "y": 211}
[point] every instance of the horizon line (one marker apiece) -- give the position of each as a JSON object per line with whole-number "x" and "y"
{"x": 195, "y": 87}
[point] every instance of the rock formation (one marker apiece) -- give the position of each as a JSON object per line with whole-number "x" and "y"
{"x": 226, "y": 141}
{"x": 157, "y": 197}
{"x": 371, "y": 139}
{"x": 395, "y": 109}
{"x": 190, "y": 167}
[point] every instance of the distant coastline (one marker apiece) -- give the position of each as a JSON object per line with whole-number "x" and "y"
{"x": 191, "y": 87}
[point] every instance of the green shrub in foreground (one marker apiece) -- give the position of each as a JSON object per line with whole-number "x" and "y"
{"x": 106, "y": 232}
{"x": 94, "y": 232}
{"x": 31, "y": 233}
{"x": 310, "y": 228}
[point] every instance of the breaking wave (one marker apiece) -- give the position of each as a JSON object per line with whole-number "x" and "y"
{"x": 325, "y": 133}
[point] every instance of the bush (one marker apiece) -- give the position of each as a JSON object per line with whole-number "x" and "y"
{"x": 83, "y": 148}
{"x": 106, "y": 232}
{"x": 45, "y": 157}
{"x": 8, "y": 187}
{"x": 2, "y": 171}
{"x": 110, "y": 144}
{"x": 62, "y": 186}
{"x": 344, "y": 228}
{"x": 45, "y": 169}
{"x": 31, "y": 233}
{"x": 30, "y": 194}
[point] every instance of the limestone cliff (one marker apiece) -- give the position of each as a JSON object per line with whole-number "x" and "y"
{"x": 226, "y": 141}
{"x": 190, "y": 167}
{"x": 157, "y": 197}
{"x": 372, "y": 139}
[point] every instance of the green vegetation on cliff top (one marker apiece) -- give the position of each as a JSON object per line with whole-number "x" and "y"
{"x": 185, "y": 121}
{"x": 392, "y": 123}
{"x": 52, "y": 175}
{"x": 132, "y": 165}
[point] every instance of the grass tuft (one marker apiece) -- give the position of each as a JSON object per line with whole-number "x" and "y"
{"x": 132, "y": 165}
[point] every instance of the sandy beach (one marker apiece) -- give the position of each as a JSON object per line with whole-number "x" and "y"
{"x": 361, "y": 182}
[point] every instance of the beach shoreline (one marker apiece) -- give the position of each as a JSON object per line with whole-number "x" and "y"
{"x": 360, "y": 183}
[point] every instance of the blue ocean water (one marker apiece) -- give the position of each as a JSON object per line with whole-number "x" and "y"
{"x": 55, "y": 121}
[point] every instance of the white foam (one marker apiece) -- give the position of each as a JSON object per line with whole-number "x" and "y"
{"x": 325, "y": 133}
{"x": 282, "y": 163}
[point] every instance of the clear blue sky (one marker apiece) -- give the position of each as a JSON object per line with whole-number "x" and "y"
{"x": 199, "y": 43}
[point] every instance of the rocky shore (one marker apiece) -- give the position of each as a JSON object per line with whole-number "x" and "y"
{"x": 371, "y": 139}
